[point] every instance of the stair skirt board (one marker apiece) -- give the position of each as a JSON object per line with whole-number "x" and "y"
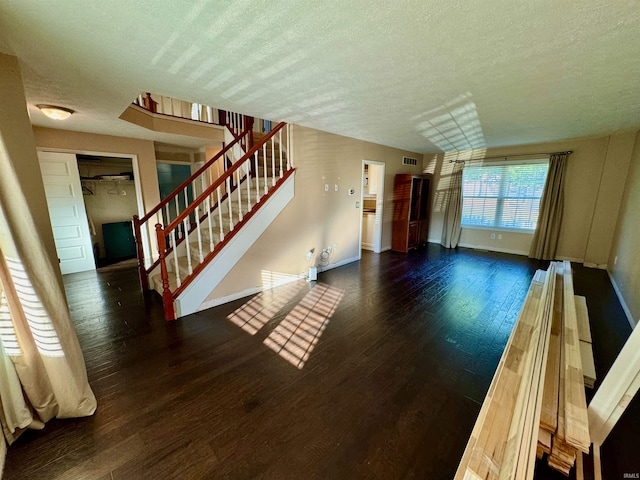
{"x": 192, "y": 298}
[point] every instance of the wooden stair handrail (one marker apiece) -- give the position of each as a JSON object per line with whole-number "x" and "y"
{"x": 221, "y": 180}
{"x": 189, "y": 180}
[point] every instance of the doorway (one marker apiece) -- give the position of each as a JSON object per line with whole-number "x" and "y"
{"x": 372, "y": 203}
{"x": 91, "y": 198}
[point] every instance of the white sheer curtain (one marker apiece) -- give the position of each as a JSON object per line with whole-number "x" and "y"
{"x": 452, "y": 228}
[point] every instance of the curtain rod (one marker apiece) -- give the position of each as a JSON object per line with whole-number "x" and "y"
{"x": 568, "y": 152}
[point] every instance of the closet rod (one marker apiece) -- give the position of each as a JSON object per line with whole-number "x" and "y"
{"x": 568, "y": 152}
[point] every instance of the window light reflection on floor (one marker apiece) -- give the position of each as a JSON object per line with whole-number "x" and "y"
{"x": 255, "y": 313}
{"x": 297, "y": 335}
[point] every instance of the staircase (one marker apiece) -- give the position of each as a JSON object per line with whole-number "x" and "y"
{"x": 186, "y": 246}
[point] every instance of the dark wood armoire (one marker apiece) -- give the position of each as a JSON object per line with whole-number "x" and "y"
{"x": 412, "y": 201}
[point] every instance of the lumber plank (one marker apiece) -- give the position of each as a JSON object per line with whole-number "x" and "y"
{"x": 575, "y": 403}
{"x": 597, "y": 463}
{"x": 579, "y": 467}
{"x": 483, "y": 455}
{"x": 549, "y": 413}
{"x": 584, "y": 330}
{"x": 526, "y": 458}
{"x": 588, "y": 365}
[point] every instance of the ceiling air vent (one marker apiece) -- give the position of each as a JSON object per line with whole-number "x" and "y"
{"x": 409, "y": 161}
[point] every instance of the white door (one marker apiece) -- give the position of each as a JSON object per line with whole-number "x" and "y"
{"x": 66, "y": 210}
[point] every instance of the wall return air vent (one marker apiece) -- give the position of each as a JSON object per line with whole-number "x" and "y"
{"x": 409, "y": 161}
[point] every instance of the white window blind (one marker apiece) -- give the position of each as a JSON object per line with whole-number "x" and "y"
{"x": 503, "y": 196}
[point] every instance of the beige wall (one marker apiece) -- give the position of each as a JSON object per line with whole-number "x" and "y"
{"x": 592, "y": 198}
{"x": 624, "y": 261}
{"x": 105, "y": 144}
{"x": 315, "y": 218}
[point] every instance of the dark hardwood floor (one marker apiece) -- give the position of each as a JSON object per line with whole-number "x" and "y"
{"x": 376, "y": 371}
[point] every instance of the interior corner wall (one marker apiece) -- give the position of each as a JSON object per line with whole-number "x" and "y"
{"x": 609, "y": 200}
{"x": 624, "y": 260}
{"x": 316, "y": 218}
{"x": 588, "y": 177}
{"x": 91, "y": 142}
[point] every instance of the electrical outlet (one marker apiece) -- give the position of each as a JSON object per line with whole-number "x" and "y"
{"x": 326, "y": 187}
{"x": 499, "y": 236}
{"x": 335, "y": 187}
{"x": 357, "y": 204}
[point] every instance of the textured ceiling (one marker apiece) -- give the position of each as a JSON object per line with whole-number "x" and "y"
{"x": 421, "y": 75}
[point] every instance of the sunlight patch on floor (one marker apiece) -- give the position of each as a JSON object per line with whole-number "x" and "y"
{"x": 297, "y": 335}
{"x": 259, "y": 310}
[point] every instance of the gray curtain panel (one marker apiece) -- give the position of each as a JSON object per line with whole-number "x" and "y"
{"x": 452, "y": 228}
{"x": 545, "y": 239}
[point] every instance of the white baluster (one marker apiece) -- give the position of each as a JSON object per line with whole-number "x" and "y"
{"x": 175, "y": 199}
{"x": 168, "y": 218}
{"x": 199, "y": 234}
{"x": 257, "y": 177}
{"x": 248, "y": 182}
{"x": 175, "y": 256}
{"x": 288, "y": 147}
{"x": 273, "y": 161}
{"x": 186, "y": 239}
{"x": 264, "y": 166}
{"x": 186, "y": 198}
{"x": 280, "y": 148}
{"x": 229, "y": 202}
{"x": 220, "y": 215}
{"x": 210, "y": 221}
{"x": 239, "y": 189}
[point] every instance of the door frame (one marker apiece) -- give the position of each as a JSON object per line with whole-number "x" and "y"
{"x": 136, "y": 176}
{"x": 377, "y": 233}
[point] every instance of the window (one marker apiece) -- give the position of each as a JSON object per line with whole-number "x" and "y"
{"x": 503, "y": 196}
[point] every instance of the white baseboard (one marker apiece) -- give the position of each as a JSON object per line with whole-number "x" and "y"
{"x": 434, "y": 240}
{"x": 625, "y": 307}
{"x": 493, "y": 249}
{"x": 571, "y": 259}
{"x": 248, "y": 292}
{"x": 385, "y": 249}
{"x": 601, "y": 266}
{"x": 367, "y": 246}
{"x": 338, "y": 264}
{"x": 228, "y": 298}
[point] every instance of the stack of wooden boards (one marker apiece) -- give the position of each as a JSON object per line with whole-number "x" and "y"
{"x": 586, "y": 349}
{"x": 538, "y": 381}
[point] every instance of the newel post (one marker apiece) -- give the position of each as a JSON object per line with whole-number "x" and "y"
{"x": 142, "y": 271}
{"x": 150, "y": 104}
{"x": 167, "y": 298}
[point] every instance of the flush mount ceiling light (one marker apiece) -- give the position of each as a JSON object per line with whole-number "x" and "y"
{"x": 54, "y": 112}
